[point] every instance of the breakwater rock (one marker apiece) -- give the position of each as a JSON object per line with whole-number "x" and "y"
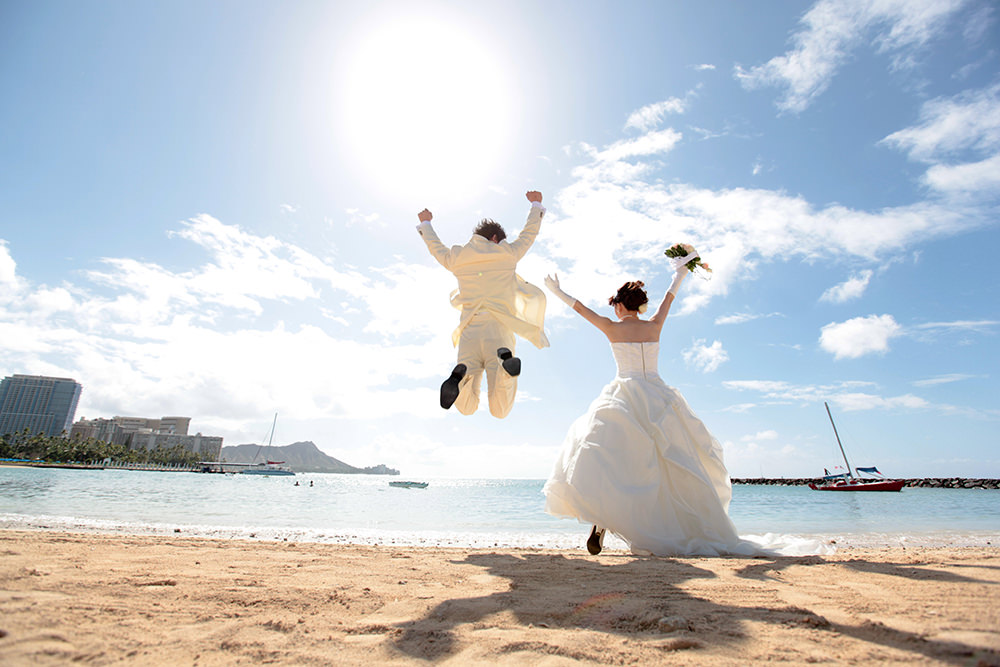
{"x": 921, "y": 482}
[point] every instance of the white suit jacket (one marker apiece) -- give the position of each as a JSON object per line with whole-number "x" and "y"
{"x": 487, "y": 280}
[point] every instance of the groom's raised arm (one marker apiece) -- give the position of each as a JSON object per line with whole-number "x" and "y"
{"x": 531, "y": 227}
{"x": 430, "y": 237}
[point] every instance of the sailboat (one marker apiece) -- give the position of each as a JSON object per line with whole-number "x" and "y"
{"x": 266, "y": 467}
{"x": 846, "y": 481}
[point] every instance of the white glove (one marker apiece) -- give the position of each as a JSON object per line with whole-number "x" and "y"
{"x": 679, "y": 276}
{"x": 552, "y": 282}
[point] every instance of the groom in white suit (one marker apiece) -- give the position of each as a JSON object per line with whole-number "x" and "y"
{"x": 496, "y": 304}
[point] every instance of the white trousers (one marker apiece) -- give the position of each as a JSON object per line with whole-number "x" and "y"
{"x": 477, "y": 349}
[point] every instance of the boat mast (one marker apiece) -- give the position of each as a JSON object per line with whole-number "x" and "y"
{"x": 269, "y": 440}
{"x": 837, "y": 435}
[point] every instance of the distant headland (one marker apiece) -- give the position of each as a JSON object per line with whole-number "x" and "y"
{"x": 299, "y": 456}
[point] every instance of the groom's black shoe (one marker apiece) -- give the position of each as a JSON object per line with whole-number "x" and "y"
{"x": 510, "y": 363}
{"x": 449, "y": 388}
{"x": 596, "y": 541}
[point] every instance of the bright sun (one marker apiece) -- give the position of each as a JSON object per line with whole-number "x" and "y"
{"x": 426, "y": 108}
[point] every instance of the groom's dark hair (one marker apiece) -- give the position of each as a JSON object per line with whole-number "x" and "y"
{"x": 487, "y": 229}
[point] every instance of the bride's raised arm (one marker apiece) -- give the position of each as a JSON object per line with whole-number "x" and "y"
{"x": 661, "y": 313}
{"x": 680, "y": 272}
{"x": 605, "y": 324}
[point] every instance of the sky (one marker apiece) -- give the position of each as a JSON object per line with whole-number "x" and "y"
{"x": 208, "y": 209}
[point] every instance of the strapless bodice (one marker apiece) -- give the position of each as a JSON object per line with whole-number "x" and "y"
{"x": 636, "y": 360}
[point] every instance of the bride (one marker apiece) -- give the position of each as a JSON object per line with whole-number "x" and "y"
{"x": 640, "y": 463}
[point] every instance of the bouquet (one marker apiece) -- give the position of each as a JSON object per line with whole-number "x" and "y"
{"x": 681, "y": 250}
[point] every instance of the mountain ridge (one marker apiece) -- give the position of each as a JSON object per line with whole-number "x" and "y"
{"x": 302, "y": 456}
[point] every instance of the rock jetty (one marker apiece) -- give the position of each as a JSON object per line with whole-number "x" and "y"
{"x": 921, "y": 482}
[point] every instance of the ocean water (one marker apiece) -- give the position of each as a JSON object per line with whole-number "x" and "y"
{"x": 477, "y": 513}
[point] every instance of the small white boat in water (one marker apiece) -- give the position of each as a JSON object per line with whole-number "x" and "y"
{"x": 409, "y": 485}
{"x": 266, "y": 468}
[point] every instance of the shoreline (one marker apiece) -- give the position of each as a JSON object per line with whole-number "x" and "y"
{"x": 910, "y": 482}
{"x": 565, "y": 541}
{"x": 179, "y": 600}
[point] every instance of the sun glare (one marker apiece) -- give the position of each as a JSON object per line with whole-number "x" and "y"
{"x": 425, "y": 108}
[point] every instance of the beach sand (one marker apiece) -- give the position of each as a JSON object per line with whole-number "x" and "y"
{"x": 99, "y": 599}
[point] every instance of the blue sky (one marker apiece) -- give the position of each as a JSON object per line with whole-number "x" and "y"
{"x": 208, "y": 209}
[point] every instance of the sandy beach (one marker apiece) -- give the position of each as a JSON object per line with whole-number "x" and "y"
{"x": 100, "y": 599}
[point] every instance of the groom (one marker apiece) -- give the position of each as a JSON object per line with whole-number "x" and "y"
{"x": 496, "y": 304}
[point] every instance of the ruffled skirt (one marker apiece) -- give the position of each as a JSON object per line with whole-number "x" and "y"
{"x": 642, "y": 465}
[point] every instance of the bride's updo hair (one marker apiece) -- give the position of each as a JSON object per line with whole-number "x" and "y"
{"x": 631, "y": 295}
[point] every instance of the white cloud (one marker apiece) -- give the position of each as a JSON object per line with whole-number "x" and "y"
{"x": 779, "y": 390}
{"x": 832, "y": 29}
{"x": 653, "y": 143}
{"x": 930, "y": 332}
{"x": 737, "y": 318}
{"x": 356, "y": 217}
{"x": 411, "y": 301}
{"x": 770, "y": 388}
{"x": 982, "y": 176}
{"x": 842, "y": 394}
{"x": 740, "y": 318}
{"x": 978, "y": 24}
{"x": 146, "y": 340}
{"x": 9, "y": 283}
{"x": 704, "y": 67}
{"x": 859, "y": 336}
{"x": 8, "y": 267}
{"x": 46, "y": 301}
{"x": 706, "y": 358}
{"x": 943, "y": 379}
{"x": 959, "y": 138}
{"x": 760, "y": 435}
{"x": 739, "y": 408}
{"x": 650, "y": 115}
{"x": 631, "y": 216}
{"x": 860, "y": 401}
{"x": 736, "y": 230}
{"x": 968, "y": 121}
{"x": 959, "y": 325}
{"x": 289, "y": 208}
{"x": 852, "y": 288}
{"x": 245, "y": 269}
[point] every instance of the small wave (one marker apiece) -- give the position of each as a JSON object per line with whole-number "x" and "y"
{"x": 465, "y": 540}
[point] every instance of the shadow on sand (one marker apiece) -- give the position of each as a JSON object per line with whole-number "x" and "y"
{"x": 643, "y": 599}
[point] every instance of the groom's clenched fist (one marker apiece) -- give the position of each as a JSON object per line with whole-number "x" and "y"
{"x": 425, "y": 215}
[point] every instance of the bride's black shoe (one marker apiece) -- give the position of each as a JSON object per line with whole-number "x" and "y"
{"x": 596, "y": 540}
{"x": 449, "y": 388}
{"x": 510, "y": 363}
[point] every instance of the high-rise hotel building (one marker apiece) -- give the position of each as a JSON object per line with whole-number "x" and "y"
{"x": 38, "y": 403}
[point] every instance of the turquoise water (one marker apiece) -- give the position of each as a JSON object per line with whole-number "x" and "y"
{"x": 449, "y": 512}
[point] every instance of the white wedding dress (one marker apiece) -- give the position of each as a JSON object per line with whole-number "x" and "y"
{"x": 642, "y": 465}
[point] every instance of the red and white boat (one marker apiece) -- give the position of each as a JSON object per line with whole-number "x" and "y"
{"x": 847, "y": 481}
{"x": 859, "y": 484}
